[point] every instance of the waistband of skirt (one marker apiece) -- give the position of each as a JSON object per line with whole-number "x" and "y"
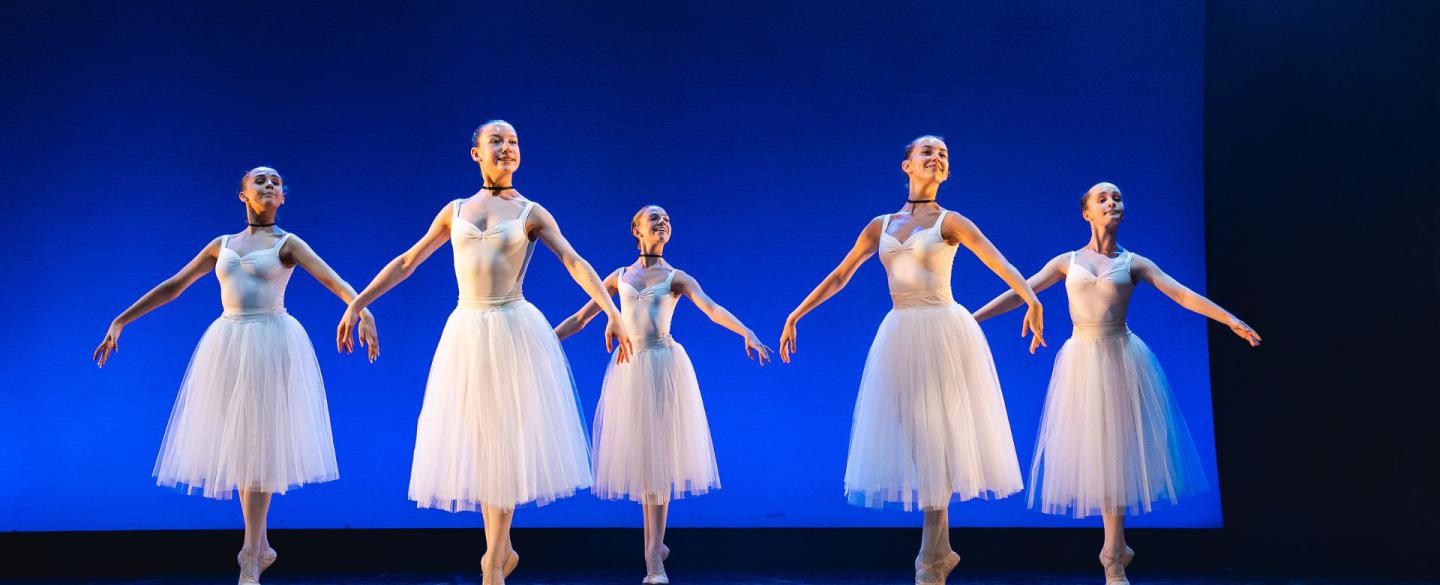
{"x": 253, "y": 313}
{"x": 1101, "y": 330}
{"x": 644, "y": 343}
{"x": 492, "y": 302}
{"x": 922, "y": 299}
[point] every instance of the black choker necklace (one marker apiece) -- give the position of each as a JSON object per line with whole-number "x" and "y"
{"x": 651, "y": 256}
{"x": 495, "y": 188}
{"x": 919, "y": 200}
{"x": 262, "y": 224}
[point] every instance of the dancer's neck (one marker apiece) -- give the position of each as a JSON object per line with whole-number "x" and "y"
{"x": 261, "y": 222}
{"x": 651, "y": 256}
{"x": 1104, "y": 241}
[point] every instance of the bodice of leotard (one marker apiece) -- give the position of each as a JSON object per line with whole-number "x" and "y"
{"x": 1099, "y": 302}
{"x": 253, "y": 283}
{"x": 490, "y": 263}
{"x": 918, "y": 269}
{"x": 646, "y": 312}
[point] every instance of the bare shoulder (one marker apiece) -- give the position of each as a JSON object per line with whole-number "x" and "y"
{"x": 1061, "y": 262}
{"x": 213, "y": 247}
{"x": 872, "y": 230}
{"x": 955, "y": 219}
{"x": 683, "y": 278}
{"x": 682, "y": 284}
{"x": 293, "y": 243}
{"x": 442, "y": 217}
{"x": 613, "y": 279}
{"x": 1138, "y": 261}
{"x": 535, "y": 207}
{"x": 1145, "y": 269}
{"x": 958, "y": 229}
{"x": 539, "y": 216}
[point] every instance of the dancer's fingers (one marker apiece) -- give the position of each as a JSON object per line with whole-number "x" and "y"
{"x": 342, "y": 332}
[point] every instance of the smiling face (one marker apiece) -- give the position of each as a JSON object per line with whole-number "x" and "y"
{"x": 651, "y": 227}
{"x": 1103, "y": 205}
{"x": 927, "y": 160}
{"x": 262, "y": 190}
{"x": 496, "y": 148}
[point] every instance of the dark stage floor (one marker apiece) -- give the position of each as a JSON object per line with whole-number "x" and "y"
{"x": 736, "y": 578}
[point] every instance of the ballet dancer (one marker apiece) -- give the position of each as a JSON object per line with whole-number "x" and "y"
{"x": 652, "y": 440}
{"x": 1111, "y": 440}
{"x": 500, "y": 425}
{"x": 930, "y": 425}
{"x": 251, "y": 414}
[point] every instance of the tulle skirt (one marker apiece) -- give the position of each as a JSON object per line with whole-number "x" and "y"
{"x": 1111, "y": 440}
{"x": 251, "y": 413}
{"x": 930, "y": 424}
{"x": 500, "y": 424}
{"x": 652, "y": 440}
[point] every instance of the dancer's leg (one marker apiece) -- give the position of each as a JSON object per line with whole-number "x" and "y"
{"x": 255, "y": 554}
{"x": 935, "y": 535}
{"x": 656, "y": 516}
{"x": 936, "y": 560}
{"x": 656, "y": 511}
{"x": 1115, "y": 555}
{"x": 500, "y": 557}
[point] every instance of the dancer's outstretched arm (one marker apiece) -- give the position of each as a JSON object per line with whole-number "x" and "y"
{"x": 166, "y": 291}
{"x": 688, "y": 286}
{"x": 1052, "y": 273}
{"x": 959, "y": 228}
{"x": 1147, "y": 271}
{"x": 392, "y": 274}
{"x": 297, "y": 251}
{"x": 544, "y": 228}
{"x": 864, "y": 248}
{"x": 574, "y": 323}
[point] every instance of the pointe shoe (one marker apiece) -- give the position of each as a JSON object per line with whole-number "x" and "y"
{"x": 934, "y": 573}
{"x": 655, "y": 570}
{"x": 664, "y": 553}
{"x": 251, "y": 566}
{"x": 1115, "y": 566}
{"x": 510, "y": 563}
{"x": 267, "y": 558}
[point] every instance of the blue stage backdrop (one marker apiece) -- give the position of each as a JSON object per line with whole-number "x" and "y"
{"x": 771, "y": 132}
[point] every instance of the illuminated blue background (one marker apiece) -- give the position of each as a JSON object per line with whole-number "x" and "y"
{"x": 771, "y": 133}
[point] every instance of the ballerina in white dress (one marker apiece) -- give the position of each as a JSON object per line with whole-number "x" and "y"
{"x": 1111, "y": 441}
{"x": 500, "y": 425}
{"x": 251, "y": 414}
{"x": 652, "y": 440}
{"x": 930, "y": 423}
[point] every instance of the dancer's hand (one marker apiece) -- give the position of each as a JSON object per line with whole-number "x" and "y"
{"x": 344, "y": 334}
{"x": 787, "y": 341}
{"x": 615, "y": 337}
{"x": 110, "y": 344}
{"x": 1034, "y": 322}
{"x": 753, "y": 343}
{"x": 1245, "y": 332}
{"x": 369, "y": 336}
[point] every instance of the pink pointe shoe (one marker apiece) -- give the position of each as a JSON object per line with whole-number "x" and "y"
{"x": 510, "y": 562}
{"x": 252, "y": 566}
{"x": 934, "y": 573}
{"x": 655, "y": 570}
{"x": 1115, "y": 567}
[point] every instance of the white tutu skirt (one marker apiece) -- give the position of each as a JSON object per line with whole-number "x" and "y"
{"x": 652, "y": 440}
{"x": 501, "y": 424}
{"x": 930, "y": 424}
{"x": 1111, "y": 440}
{"x": 251, "y": 413}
